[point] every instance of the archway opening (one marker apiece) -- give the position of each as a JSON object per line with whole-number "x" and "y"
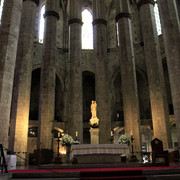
{"x": 59, "y": 101}
{"x": 144, "y": 98}
{"x": 35, "y": 91}
{"x": 88, "y": 96}
{"x": 118, "y": 112}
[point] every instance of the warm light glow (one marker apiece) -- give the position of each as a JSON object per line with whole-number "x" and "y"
{"x": 157, "y": 18}
{"x": 41, "y": 25}
{"x": 87, "y": 30}
{"x": 62, "y": 150}
{"x": 1, "y": 9}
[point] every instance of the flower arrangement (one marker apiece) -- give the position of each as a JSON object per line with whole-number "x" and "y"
{"x": 124, "y": 139}
{"x": 67, "y": 140}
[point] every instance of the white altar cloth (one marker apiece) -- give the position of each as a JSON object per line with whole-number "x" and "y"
{"x": 99, "y": 149}
{"x": 11, "y": 161}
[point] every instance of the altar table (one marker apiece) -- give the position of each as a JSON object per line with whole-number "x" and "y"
{"x": 99, "y": 149}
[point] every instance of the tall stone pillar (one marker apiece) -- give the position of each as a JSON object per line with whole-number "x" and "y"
{"x": 22, "y": 82}
{"x": 8, "y": 47}
{"x": 48, "y": 75}
{"x": 158, "y": 99}
{"x": 101, "y": 79}
{"x": 128, "y": 73}
{"x": 75, "y": 109}
{"x": 171, "y": 36}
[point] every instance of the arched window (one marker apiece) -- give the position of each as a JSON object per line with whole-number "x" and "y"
{"x": 1, "y": 9}
{"x": 87, "y": 30}
{"x": 117, "y": 34}
{"x": 157, "y": 18}
{"x": 41, "y": 24}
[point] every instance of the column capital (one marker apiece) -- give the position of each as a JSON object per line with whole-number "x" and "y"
{"x": 99, "y": 21}
{"x": 35, "y": 1}
{"x": 51, "y": 13}
{"x": 142, "y": 2}
{"x": 75, "y": 20}
{"x": 122, "y": 15}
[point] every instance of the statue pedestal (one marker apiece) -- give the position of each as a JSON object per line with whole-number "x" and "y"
{"x": 94, "y": 135}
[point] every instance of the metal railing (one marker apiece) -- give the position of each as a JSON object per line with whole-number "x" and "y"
{"x": 3, "y": 160}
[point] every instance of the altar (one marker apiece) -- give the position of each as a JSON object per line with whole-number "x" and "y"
{"x": 99, "y": 153}
{"x": 11, "y": 161}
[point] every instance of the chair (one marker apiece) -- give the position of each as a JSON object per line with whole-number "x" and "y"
{"x": 159, "y": 157}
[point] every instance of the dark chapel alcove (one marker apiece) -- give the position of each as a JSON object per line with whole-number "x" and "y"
{"x": 88, "y": 96}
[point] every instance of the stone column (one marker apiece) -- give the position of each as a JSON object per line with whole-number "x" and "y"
{"x": 101, "y": 79}
{"x": 128, "y": 73}
{"x": 158, "y": 99}
{"x": 22, "y": 82}
{"x": 75, "y": 109}
{"x": 171, "y": 36}
{"x": 48, "y": 75}
{"x": 8, "y": 46}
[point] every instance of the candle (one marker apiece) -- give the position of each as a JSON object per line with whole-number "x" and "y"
{"x": 111, "y": 133}
{"x": 76, "y": 133}
{"x": 131, "y": 133}
{"x": 59, "y": 134}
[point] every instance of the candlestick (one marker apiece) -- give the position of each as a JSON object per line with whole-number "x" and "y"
{"x": 133, "y": 157}
{"x": 131, "y": 133}
{"x": 58, "y": 159}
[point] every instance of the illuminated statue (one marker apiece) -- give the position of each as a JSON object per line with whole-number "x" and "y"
{"x": 94, "y": 121}
{"x": 94, "y": 109}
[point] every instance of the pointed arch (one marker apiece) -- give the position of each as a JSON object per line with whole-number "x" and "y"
{"x": 41, "y": 24}
{"x": 87, "y": 30}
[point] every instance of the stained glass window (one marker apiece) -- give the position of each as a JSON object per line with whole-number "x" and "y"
{"x": 117, "y": 33}
{"x": 41, "y": 25}
{"x": 87, "y": 30}
{"x": 157, "y": 18}
{"x": 1, "y": 9}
